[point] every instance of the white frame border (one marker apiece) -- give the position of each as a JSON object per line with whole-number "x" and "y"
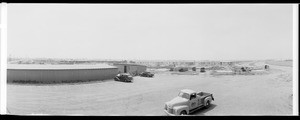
{"x": 295, "y": 59}
{"x": 3, "y": 57}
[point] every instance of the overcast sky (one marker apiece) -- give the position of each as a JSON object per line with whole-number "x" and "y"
{"x": 122, "y": 31}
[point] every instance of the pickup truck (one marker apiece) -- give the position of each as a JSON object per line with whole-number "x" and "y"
{"x": 188, "y": 101}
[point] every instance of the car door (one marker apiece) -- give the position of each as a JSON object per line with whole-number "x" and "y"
{"x": 193, "y": 101}
{"x": 122, "y": 78}
{"x": 199, "y": 103}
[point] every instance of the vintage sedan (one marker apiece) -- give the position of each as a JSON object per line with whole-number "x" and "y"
{"x": 147, "y": 74}
{"x": 124, "y": 77}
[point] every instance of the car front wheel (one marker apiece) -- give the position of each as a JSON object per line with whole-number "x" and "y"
{"x": 183, "y": 113}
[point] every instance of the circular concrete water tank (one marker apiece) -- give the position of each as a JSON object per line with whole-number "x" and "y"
{"x": 59, "y": 73}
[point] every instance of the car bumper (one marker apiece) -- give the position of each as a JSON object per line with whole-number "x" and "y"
{"x": 169, "y": 114}
{"x": 129, "y": 81}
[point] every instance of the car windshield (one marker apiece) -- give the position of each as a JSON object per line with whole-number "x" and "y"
{"x": 184, "y": 95}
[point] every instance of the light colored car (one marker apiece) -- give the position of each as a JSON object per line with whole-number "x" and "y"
{"x": 188, "y": 101}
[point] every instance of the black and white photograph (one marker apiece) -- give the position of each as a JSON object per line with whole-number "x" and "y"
{"x": 150, "y": 59}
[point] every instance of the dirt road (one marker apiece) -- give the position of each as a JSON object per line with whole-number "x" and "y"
{"x": 267, "y": 94}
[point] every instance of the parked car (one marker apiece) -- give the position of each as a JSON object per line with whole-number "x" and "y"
{"x": 194, "y": 68}
{"x": 202, "y": 69}
{"x": 188, "y": 101}
{"x": 183, "y": 69}
{"x": 124, "y": 77}
{"x": 147, "y": 74}
{"x": 267, "y": 67}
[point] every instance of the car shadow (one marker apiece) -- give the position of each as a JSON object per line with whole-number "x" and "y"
{"x": 202, "y": 111}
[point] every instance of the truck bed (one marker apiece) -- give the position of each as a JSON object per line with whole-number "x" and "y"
{"x": 204, "y": 95}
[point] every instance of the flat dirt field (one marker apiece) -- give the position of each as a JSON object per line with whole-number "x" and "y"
{"x": 266, "y": 94}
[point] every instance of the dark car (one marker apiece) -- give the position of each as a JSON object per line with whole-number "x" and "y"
{"x": 183, "y": 69}
{"x": 146, "y": 74}
{"x": 202, "y": 69}
{"x": 124, "y": 77}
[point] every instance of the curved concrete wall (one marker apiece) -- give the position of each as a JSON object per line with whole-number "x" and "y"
{"x": 57, "y": 75}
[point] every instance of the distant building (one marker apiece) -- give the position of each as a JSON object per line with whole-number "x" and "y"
{"x": 133, "y": 69}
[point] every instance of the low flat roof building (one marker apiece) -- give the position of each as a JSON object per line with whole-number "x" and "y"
{"x": 133, "y": 69}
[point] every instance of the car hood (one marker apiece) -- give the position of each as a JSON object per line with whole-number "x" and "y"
{"x": 177, "y": 101}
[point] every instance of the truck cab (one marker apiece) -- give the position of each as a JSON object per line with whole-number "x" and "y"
{"x": 188, "y": 101}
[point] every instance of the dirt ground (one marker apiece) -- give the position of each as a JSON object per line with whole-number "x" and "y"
{"x": 266, "y": 94}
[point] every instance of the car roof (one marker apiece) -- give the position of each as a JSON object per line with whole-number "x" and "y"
{"x": 188, "y": 91}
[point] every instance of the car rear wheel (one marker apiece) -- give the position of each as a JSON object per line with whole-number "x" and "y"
{"x": 207, "y": 104}
{"x": 183, "y": 113}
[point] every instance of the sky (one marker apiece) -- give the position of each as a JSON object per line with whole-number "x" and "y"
{"x": 151, "y": 32}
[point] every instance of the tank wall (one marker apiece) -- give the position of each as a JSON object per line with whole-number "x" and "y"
{"x": 49, "y": 76}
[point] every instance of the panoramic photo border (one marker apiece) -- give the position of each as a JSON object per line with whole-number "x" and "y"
{"x": 295, "y": 60}
{"x": 3, "y": 43}
{"x": 3, "y": 57}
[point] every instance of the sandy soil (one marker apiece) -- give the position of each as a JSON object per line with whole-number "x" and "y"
{"x": 281, "y": 63}
{"x": 266, "y": 94}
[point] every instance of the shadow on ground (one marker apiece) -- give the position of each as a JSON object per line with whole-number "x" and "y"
{"x": 202, "y": 111}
